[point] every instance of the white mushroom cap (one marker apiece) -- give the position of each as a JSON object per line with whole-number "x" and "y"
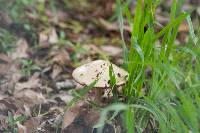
{"x": 89, "y": 72}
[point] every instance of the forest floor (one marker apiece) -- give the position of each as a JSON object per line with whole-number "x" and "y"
{"x": 41, "y": 44}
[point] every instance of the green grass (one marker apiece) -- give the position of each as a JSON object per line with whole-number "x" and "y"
{"x": 12, "y": 122}
{"x": 7, "y": 41}
{"x": 15, "y": 9}
{"x": 28, "y": 67}
{"x": 169, "y": 101}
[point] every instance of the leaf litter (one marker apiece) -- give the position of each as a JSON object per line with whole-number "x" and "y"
{"x": 43, "y": 95}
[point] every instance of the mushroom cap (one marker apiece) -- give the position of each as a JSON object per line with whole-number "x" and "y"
{"x": 99, "y": 69}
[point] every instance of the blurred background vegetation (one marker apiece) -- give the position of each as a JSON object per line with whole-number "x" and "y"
{"x": 160, "y": 43}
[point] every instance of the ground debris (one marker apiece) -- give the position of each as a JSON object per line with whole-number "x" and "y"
{"x": 67, "y": 84}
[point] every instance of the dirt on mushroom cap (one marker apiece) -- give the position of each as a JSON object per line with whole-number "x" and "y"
{"x": 99, "y": 69}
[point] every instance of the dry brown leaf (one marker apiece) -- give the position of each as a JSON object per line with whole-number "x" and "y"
{"x": 4, "y": 58}
{"x": 67, "y": 84}
{"x": 56, "y": 71}
{"x": 91, "y": 117}
{"x": 87, "y": 117}
{"x": 47, "y": 37}
{"x": 9, "y": 73}
{"x": 4, "y": 63}
{"x": 11, "y": 104}
{"x": 2, "y": 96}
{"x": 21, "y": 50}
{"x": 162, "y": 19}
{"x": 71, "y": 114}
{"x": 64, "y": 96}
{"x": 21, "y": 128}
{"x": 112, "y": 26}
{"x": 5, "y": 18}
{"x": 33, "y": 82}
{"x": 43, "y": 39}
{"x": 32, "y": 124}
{"x": 107, "y": 25}
{"x": 61, "y": 57}
{"x": 91, "y": 49}
{"x": 30, "y": 97}
{"x": 90, "y": 53}
{"x": 112, "y": 50}
{"x": 69, "y": 118}
{"x": 53, "y": 37}
{"x": 183, "y": 27}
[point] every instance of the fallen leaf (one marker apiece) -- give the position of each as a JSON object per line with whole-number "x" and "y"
{"x": 87, "y": 116}
{"x": 112, "y": 26}
{"x": 71, "y": 114}
{"x": 63, "y": 96}
{"x": 67, "y": 84}
{"x": 183, "y": 27}
{"x": 91, "y": 49}
{"x": 162, "y": 19}
{"x": 30, "y": 97}
{"x": 11, "y": 104}
{"x": 91, "y": 117}
{"x": 50, "y": 119}
{"x": 5, "y": 18}
{"x": 112, "y": 50}
{"x": 4, "y": 67}
{"x": 56, "y": 71}
{"x": 21, "y": 128}
{"x": 32, "y": 124}
{"x": 61, "y": 57}
{"x": 53, "y": 37}
{"x": 4, "y": 59}
{"x": 48, "y": 36}
{"x": 33, "y": 82}
{"x": 21, "y": 50}
{"x": 2, "y": 96}
{"x": 43, "y": 39}
{"x": 9, "y": 73}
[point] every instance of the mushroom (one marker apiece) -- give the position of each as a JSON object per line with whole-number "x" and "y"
{"x": 99, "y": 69}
